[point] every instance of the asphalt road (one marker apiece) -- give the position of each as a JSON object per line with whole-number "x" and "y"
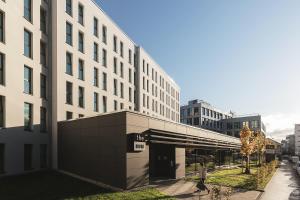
{"x": 285, "y": 184}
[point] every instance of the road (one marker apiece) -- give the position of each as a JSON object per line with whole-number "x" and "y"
{"x": 284, "y": 185}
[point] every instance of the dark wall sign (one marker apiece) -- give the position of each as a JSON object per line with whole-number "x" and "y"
{"x": 136, "y": 142}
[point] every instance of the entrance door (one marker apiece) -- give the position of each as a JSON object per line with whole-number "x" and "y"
{"x": 162, "y": 161}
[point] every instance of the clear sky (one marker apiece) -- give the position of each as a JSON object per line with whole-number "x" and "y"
{"x": 238, "y": 55}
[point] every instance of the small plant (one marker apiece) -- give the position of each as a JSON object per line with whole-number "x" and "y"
{"x": 228, "y": 192}
{"x": 216, "y": 193}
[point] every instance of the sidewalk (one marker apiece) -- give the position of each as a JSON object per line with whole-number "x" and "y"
{"x": 284, "y": 185}
{"x": 183, "y": 189}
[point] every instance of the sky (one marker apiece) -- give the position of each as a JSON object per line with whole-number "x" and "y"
{"x": 242, "y": 56}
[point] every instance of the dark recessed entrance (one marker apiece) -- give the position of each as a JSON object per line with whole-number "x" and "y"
{"x": 162, "y": 161}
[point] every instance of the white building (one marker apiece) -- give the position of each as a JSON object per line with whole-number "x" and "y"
{"x": 64, "y": 59}
{"x": 297, "y": 139}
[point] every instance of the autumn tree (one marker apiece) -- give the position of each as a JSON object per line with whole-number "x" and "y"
{"x": 260, "y": 145}
{"x": 248, "y": 145}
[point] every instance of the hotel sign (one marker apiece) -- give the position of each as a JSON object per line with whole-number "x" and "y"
{"x": 136, "y": 142}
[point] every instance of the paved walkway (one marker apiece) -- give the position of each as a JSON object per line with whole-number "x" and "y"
{"x": 285, "y": 184}
{"x": 186, "y": 190}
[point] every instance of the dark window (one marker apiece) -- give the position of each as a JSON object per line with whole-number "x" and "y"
{"x": 81, "y": 97}
{"x": 229, "y": 126}
{"x": 196, "y": 121}
{"x": 104, "y": 81}
{"x": 43, "y": 21}
{"x": 236, "y": 125}
{"x": 69, "y": 33}
{"x": 96, "y": 55}
{"x": 27, "y": 44}
{"x": 43, "y": 156}
{"x": 115, "y": 87}
{"x": 80, "y": 69}
{"x": 2, "y": 26}
{"x": 115, "y": 43}
{"x": 115, "y": 65}
{"x": 121, "y": 49}
{"x": 104, "y": 102}
{"x": 130, "y": 95}
{"x": 80, "y": 14}
{"x": 69, "y": 115}
{"x": 104, "y": 58}
{"x": 43, "y": 54}
{"x": 2, "y": 158}
{"x": 43, "y": 120}
{"x": 80, "y": 42}
{"x": 43, "y": 86}
{"x": 121, "y": 70}
{"x": 69, "y": 7}
{"x": 104, "y": 34}
{"x": 28, "y": 157}
{"x": 69, "y": 63}
{"x": 80, "y": 115}
{"x": 27, "y": 116}
{"x": 27, "y": 80}
{"x": 2, "y": 69}
{"x": 96, "y": 107}
{"x": 130, "y": 75}
{"x": 115, "y": 105}
{"x": 129, "y": 56}
{"x": 27, "y": 10}
{"x": 96, "y": 32}
{"x": 96, "y": 79}
{"x": 69, "y": 93}
{"x": 121, "y": 90}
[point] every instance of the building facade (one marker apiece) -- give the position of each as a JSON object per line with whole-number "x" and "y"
{"x": 66, "y": 59}
{"x": 297, "y": 139}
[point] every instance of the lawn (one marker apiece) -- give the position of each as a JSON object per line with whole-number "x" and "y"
{"x": 52, "y": 185}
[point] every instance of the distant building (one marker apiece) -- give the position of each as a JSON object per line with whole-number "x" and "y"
{"x": 290, "y": 144}
{"x": 202, "y": 114}
{"x": 297, "y": 139}
{"x": 284, "y": 147}
{"x": 273, "y": 149}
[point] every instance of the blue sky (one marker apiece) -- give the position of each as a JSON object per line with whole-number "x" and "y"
{"x": 238, "y": 55}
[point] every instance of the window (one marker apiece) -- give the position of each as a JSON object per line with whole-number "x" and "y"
{"x": 115, "y": 44}
{"x": 115, "y": 105}
{"x": 96, "y": 107}
{"x": 130, "y": 75}
{"x": 27, "y": 80}
{"x": 81, "y": 97}
{"x": 80, "y": 70}
{"x": 80, "y": 14}
{"x": 104, "y": 81}
{"x": 2, "y": 25}
{"x": 43, "y": 120}
{"x": 43, "y": 156}
{"x": 2, "y": 68}
{"x": 96, "y": 79}
{"x": 80, "y": 115}
{"x": 115, "y": 87}
{"x": 43, "y": 20}
{"x": 80, "y": 42}
{"x": 69, "y": 115}
{"x": 121, "y": 106}
{"x": 121, "y": 49}
{"x": 96, "y": 32}
{"x": 96, "y": 58}
{"x": 129, "y": 56}
{"x": 122, "y": 90}
{"x": 69, "y": 63}
{"x": 104, "y": 102}
{"x": 27, "y": 10}
{"x": 69, "y": 7}
{"x": 27, "y": 116}
{"x": 43, "y": 84}
{"x": 254, "y": 124}
{"x": 28, "y": 157}
{"x": 27, "y": 43}
{"x": 69, "y": 33}
{"x": 104, "y": 34}
{"x": 69, "y": 93}
{"x": 115, "y": 65}
{"x": 43, "y": 54}
{"x": 104, "y": 58}
{"x": 130, "y": 95}
{"x": 2, "y": 158}
{"x": 121, "y": 70}
{"x": 236, "y": 125}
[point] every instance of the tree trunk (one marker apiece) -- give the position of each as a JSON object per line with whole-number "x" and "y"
{"x": 247, "y": 171}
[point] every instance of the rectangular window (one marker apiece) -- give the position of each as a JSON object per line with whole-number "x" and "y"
{"x": 104, "y": 34}
{"x": 43, "y": 84}
{"x": 115, "y": 65}
{"x": 27, "y": 80}
{"x": 80, "y": 14}
{"x": 81, "y": 97}
{"x": 104, "y": 81}
{"x": 96, "y": 32}
{"x": 27, "y": 44}
{"x": 96, "y": 79}
{"x": 115, "y": 87}
{"x": 115, "y": 105}
{"x": 104, "y": 58}
{"x": 115, "y": 44}
{"x": 2, "y": 111}
{"x": 96, "y": 107}
{"x": 2, "y": 69}
{"x": 69, "y": 93}
{"x": 122, "y": 90}
{"x": 80, "y": 115}
{"x": 43, "y": 120}
{"x": 69, "y": 63}
{"x": 28, "y": 10}
{"x": 130, "y": 75}
{"x": 80, "y": 70}
{"x": 104, "y": 102}
{"x": 96, "y": 55}
{"x": 2, "y": 158}
{"x": 2, "y": 26}
{"x": 129, "y": 56}
{"x": 28, "y": 157}
{"x": 121, "y": 49}
{"x": 121, "y": 70}
{"x": 80, "y": 42}
{"x": 69, "y": 33}
{"x": 43, "y": 20}
{"x": 43, "y": 54}
{"x": 69, "y": 115}
{"x": 43, "y": 156}
{"x": 27, "y": 116}
{"x": 69, "y": 7}
{"x": 130, "y": 95}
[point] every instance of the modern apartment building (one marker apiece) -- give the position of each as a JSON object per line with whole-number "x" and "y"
{"x": 297, "y": 139}
{"x": 202, "y": 114}
{"x": 66, "y": 59}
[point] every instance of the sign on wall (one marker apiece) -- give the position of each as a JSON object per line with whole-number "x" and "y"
{"x": 136, "y": 142}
